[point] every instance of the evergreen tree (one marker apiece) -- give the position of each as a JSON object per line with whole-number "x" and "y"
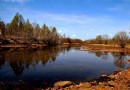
{"x": 13, "y": 27}
{"x": 2, "y": 29}
{"x": 28, "y": 30}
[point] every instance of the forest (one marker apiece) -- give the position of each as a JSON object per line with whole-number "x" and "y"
{"x": 21, "y": 31}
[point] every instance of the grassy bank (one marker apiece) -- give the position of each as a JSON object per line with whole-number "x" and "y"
{"x": 107, "y": 48}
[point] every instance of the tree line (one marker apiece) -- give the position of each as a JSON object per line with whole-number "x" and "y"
{"x": 121, "y": 39}
{"x": 22, "y": 31}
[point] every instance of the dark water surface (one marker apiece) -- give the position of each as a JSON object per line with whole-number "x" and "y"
{"x": 43, "y": 67}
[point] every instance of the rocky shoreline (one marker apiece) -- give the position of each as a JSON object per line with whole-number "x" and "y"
{"x": 116, "y": 81}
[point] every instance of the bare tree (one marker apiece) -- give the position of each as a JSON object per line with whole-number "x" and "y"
{"x": 121, "y": 39}
{"x": 99, "y": 39}
{"x": 105, "y": 38}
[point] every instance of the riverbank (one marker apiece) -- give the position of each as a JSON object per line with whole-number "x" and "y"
{"x": 21, "y": 45}
{"x": 35, "y": 45}
{"x": 116, "y": 81}
{"x": 106, "y": 48}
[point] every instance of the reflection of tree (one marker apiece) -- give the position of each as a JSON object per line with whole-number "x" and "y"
{"x": 90, "y": 52}
{"x": 104, "y": 55}
{"x": 2, "y": 59}
{"x": 49, "y": 54}
{"x": 20, "y": 59}
{"x": 119, "y": 60}
{"x": 98, "y": 53}
{"x": 128, "y": 63}
{"x": 66, "y": 49}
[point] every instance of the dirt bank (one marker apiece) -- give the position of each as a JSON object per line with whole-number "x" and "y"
{"x": 22, "y": 45}
{"x": 118, "y": 81}
{"x": 106, "y": 48}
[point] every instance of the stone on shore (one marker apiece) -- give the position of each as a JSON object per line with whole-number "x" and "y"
{"x": 62, "y": 83}
{"x": 85, "y": 84}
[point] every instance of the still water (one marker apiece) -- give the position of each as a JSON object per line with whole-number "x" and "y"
{"x": 40, "y": 67}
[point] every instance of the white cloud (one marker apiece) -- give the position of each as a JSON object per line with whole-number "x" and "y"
{"x": 19, "y": 1}
{"x": 83, "y": 21}
{"x": 74, "y": 19}
{"x": 110, "y": 35}
{"x": 60, "y": 31}
{"x": 73, "y": 36}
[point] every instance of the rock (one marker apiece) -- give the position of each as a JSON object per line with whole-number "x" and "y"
{"x": 98, "y": 87}
{"x": 104, "y": 75}
{"x": 101, "y": 83}
{"x": 107, "y": 88}
{"x": 93, "y": 82}
{"x": 81, "y": 84}
{"x": 112, "y": 83}
{"x": 62, "y": 83}
{"x": 53, "y": 89}
{"x": 85, "y": 84}
{"x": 112, "y": 76}
{"x": 71, "y": 86}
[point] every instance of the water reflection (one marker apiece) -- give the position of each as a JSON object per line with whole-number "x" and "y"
{"x": 120, "y": 60}
{"x": 58, "y": 63}
{"x": 104, "y": 55}
{"x": 2, "y": 59}
{"x": 21, "y": 59}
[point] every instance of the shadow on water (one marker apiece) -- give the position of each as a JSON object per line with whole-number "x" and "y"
{"x": 120, "y": 61}
{"x": 104, "y": 55}
{"x": 21, "y": 59}
{"x": 24, "y": 60}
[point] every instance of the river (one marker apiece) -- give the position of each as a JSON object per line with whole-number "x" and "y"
{"x": 43, "y": 67}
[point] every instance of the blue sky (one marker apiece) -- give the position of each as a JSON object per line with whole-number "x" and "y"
{"x": 82, "y": 19}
